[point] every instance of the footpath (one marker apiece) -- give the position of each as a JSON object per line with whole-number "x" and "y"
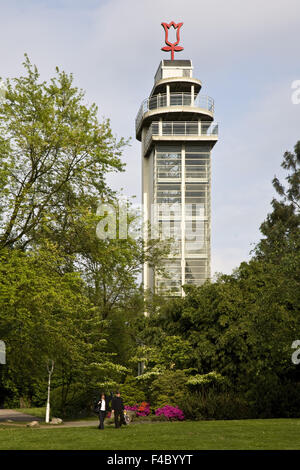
{"x": 12, "y": 417}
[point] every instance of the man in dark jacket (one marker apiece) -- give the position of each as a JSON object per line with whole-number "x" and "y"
{"x": 117, "y": 407}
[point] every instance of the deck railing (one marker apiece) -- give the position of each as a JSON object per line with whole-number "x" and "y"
{"x": 179, "y": 128}
{"x": 174, "y": 99}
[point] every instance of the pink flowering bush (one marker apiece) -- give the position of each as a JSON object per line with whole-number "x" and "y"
{"x": 170, "y": 412}
{"x": 141, "y": 410}
{"x": 131, "y": 408}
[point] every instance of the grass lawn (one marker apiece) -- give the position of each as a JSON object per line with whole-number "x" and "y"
{"x": 270, "y": 434}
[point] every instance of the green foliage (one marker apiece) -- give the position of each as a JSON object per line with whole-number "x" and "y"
{"x": 169, "y": 388}
{"x": 214, "y": 405}
{"x": 281, "y": 227}
{"x": 211, "y": 379}
{"x": 131, "y": 392}
{"x": 78, "y": 404}
{"x": 40, "y": 321}
{"x": 53, "y": 151}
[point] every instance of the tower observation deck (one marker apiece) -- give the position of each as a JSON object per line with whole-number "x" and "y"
{"x": 176, "y": 127}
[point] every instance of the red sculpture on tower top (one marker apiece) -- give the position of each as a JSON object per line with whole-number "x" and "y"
{"x": 173, "y": 47}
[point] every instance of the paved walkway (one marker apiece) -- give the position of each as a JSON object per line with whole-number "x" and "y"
{"x": 21, "y": 418}
{"x": 16, "y": 416}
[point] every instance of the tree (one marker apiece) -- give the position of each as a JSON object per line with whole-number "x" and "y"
{"x": 50, "y": 370}
{"x": 281, "y": 227}
{"x": 53, "y": 154}
{"x": 46, "y": 314}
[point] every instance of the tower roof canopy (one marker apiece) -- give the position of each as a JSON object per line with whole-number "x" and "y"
{"x": 176, "y": 73}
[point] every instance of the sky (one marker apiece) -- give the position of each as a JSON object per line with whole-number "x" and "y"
{"x": 246, "y": 53}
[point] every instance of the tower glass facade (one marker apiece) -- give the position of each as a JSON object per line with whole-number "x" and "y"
{"x": 177, "y": 130}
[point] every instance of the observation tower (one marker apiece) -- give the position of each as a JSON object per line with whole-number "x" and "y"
{"x": 176, "y": 127}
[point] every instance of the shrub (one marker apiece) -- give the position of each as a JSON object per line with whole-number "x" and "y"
{"x": 280, "y": 401}
{"x": 168, "y": 389}
{"x": 141, "y": 410}
{"x": 205, "y": 381}
{"x": 212, "y": 405}
{"x": 131, "y": 408}
{"x": 131, "y": 393}
{"x": 77, "y": 404}
{"x": 170, "y": 412}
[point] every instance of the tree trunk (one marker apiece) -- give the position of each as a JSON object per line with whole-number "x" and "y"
{"x": 50, "y": 371}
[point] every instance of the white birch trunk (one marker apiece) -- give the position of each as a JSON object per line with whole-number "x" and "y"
{"x": 50, "y": 370}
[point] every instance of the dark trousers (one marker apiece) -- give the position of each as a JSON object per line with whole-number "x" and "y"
{"x": 102, "y": 415}
{"x": 119, "y": 418}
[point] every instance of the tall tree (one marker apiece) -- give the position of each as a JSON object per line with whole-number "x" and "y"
{"x": 281, "y": 227}
{"x": 47, "y": 315}
{"x": 53, "y": 151}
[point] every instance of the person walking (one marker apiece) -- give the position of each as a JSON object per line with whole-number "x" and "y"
{"x": 117, "y": 407}
{"x": 102, "y": 409}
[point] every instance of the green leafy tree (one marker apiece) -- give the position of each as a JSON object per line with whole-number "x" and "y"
{"x": 281, "y": 227}
{"x": 46, "y": 314}
{"x": 242, "y": 326}
{"x": 54, "y": 153}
